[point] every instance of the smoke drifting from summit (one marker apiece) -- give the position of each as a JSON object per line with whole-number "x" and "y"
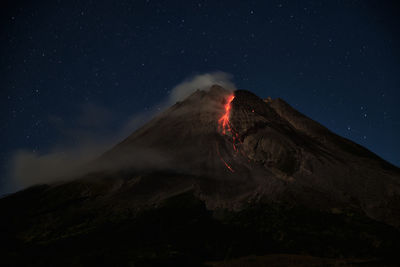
{"x": 92, "y": 137}
{"x": 201, "y": 82}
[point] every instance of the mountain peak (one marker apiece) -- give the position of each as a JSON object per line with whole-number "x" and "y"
{"x": 222, "y": 160}
{"x": 273, "y": 151}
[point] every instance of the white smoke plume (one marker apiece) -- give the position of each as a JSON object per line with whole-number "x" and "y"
{"x": 92, "y": 138}
{"x": 201, "y": 82}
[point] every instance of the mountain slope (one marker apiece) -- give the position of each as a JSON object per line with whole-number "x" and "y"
{"x": 267, "y": 151}
{"x": 219, "y": 175}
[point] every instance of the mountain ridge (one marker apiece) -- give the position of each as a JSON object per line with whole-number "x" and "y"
{"x": 271, "y": 150}
{"x": 229, "y": 163}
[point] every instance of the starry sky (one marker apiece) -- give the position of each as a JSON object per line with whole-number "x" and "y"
{"x": 338, "y": 62}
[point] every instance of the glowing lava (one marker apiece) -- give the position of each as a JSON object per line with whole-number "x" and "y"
{"x": 224, "y": 126}
{"x": 224, "y": 120}
{"x": 223, "y": 161}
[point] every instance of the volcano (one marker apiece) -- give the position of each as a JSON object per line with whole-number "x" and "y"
{"x": 213, "y": 179}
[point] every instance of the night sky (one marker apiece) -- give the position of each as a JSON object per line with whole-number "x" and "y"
{"x": 338, "y": 62}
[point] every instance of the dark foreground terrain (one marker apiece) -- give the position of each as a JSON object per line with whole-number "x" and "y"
{"x": 74, "y": 231}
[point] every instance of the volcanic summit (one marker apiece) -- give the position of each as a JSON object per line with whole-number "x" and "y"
{"x": 221, "y": 175}
{"x": 242, "y": 148}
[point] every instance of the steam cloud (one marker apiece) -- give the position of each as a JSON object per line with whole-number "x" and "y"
{"x": 92, "y": 137}
{"x": 201, "y": 82}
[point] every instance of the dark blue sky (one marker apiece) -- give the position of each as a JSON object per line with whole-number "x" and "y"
{"x": 338, "y": 62}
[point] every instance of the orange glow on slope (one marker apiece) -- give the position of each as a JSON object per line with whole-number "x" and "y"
{"x": 226, "y": 164}
{"x": 224, "y": 120}
{"x": 224, "y": 127}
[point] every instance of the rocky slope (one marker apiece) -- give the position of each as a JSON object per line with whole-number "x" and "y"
{"x": 266, "y": 151}
{"x": 217, "y": 176}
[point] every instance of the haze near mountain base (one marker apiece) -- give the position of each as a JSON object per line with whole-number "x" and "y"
{"x": 82, "y": 143}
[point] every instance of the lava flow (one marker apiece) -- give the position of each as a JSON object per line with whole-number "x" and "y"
{"x": 223, "y": 161}
{"x": 224, "y": 127}
{"x": 224, "y": 120}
